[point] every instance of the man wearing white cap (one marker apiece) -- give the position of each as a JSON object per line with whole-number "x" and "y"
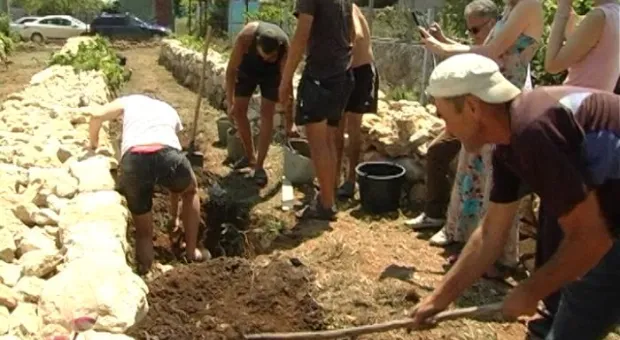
{"x": 564, "y": 143}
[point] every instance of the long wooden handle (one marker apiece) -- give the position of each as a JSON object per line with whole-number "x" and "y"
{"x": 470, "y": 312}
{"x": 201, "y": 82}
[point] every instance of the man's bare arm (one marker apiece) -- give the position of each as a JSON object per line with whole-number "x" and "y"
{"x": 482, "y": 249}
{"x": 101, "y": 114}
{"x": 241, "y": 44}
{"x": 586, "y": 240}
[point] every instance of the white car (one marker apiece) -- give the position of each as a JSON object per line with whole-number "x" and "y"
{"x": 52, "y": 27}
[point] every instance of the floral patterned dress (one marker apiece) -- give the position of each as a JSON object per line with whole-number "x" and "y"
{"x": 470, "y": 193}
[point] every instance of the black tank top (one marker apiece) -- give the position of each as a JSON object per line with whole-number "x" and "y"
{"x": 253, "y": 64}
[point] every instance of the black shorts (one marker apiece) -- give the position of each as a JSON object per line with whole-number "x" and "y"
{"x": 365, "y": 95}
{"x": 140, "y": 172}
{"x": 319, "y": 100}
{"x": 269, "y": 84}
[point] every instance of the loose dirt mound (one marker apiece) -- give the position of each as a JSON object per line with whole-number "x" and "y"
{"x": 224, "y": 298}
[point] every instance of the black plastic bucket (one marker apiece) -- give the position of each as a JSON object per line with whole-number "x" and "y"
{"x": 380, "y": 185}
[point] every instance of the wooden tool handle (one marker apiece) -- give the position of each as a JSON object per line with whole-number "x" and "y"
{"x": 201, "y": 81}
{"x": 470, "y": 312}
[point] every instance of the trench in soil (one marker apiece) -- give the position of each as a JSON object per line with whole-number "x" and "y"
{"x": 238, "y": 292}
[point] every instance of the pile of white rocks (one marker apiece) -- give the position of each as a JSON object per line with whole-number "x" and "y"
{"x": 62, "y": 225}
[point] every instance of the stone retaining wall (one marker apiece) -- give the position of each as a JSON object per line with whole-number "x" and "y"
{"x": 62, "y": 225}
{"x": 400, "y": 63}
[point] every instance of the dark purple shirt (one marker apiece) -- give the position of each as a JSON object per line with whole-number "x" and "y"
{"x": 565, "y": 142}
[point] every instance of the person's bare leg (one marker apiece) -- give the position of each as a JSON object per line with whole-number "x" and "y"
{"x": 267, "y": 110}
{"x": 240, "y": 113}
{"x": 354, "y": 125}
{"x": 319, "y": 140}
{"x": 190, "y": 214}
{"x": 144, "y": 241}
{"x": 174, "y": 211}
{"x": 339, "y": 149}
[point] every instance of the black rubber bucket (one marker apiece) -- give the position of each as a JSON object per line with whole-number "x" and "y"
{"x": 380, "y": 185}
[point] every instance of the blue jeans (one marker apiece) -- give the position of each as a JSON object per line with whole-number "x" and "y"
{"x": 590, "y": 307}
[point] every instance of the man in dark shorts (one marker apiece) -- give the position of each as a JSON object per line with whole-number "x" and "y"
{"x": 363, "y": 99}
{"x": 563, "y": 143}
{"x": 325, "y": 31}
{"x": 151, "y": 155}
{"x": 257, "y": 59}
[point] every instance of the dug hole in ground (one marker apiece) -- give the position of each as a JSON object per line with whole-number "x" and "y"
{"x": 286, "y": 276}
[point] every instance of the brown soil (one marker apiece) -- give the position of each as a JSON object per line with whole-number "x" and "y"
{"x": 229, "y": 297}
{"x": 25, "y": 65}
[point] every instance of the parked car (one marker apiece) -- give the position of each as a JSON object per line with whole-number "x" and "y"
{"x": 53, "y": 27}
{"x": 19, "y": 23}
{"x": 126, "y": 26}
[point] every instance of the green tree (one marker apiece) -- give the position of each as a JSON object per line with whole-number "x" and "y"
{"x": 69, "y": 7}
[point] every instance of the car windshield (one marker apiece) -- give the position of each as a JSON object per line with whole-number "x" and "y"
{"x": 78, "y": 22}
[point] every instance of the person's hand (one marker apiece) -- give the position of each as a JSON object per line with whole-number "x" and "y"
{"x": 285, "y": 91}
{"x": 424, "y": 313}
{"x": 519, "y": 302}
{"x": 431, "y": 43}
{"x": 435, "y": 31}
{"x": 292, "y": 132}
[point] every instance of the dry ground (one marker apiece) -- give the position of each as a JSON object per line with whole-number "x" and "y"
{"x": 364, "y": 265}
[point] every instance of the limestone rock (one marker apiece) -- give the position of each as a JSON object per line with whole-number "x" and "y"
{"x": 29, "y": 288}
{"x": 56, "y": 203}
{"x": 10, "y": 222}
{"x": 10, "y": 273}
{"x": 36, "y": 239}
{"x": 24, "y": 321}
{"x": 4, "y": 320}
{"x": 114, "y": 293}
{"x": 45, "y": 217}
{"x": 25, "y": 211}
{"x": 40, "y": 263}
{"x": 7, "y": 246}
{"x": 58, "y": 181}
{"x": 8, "y": 298}
{"x": 95, "y": 239}
{"x": 93, "y": 174}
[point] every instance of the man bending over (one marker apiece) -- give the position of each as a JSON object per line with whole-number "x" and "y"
{"x": 257, "y": 59}
{"x": 563, "y": 143}
{"x": 151, "y": 155}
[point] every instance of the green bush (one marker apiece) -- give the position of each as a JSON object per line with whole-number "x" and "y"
{"x": 5, "y": 24}
{"x": 7, "y": 44}
{"x": 94, "y": 55}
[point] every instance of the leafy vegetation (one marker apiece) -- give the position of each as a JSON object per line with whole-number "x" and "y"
{"x": 69, "y": 7}
{"x": 98, "y": 55}
{"x": 279, "y": 13}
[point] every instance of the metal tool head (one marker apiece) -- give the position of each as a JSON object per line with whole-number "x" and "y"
{"x": 196, "y": 158}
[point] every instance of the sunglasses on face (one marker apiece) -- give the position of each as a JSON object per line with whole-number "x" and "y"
{"x": 476, "y": 29}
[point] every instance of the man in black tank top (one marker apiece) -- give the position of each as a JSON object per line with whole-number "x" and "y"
{"x": 257, "y": 59}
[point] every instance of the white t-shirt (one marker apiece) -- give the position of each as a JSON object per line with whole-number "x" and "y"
{"x": 149, "y": 121}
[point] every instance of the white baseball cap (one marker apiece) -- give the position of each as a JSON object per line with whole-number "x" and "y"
{"x": 473, "y": 74}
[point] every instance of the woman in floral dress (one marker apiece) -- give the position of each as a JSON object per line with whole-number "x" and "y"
{"x": 512, "y": 43}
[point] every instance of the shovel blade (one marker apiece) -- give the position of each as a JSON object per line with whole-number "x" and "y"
{"x": 196, "y": 159}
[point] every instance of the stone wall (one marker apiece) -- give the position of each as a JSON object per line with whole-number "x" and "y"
{"x": 62, "y": 225}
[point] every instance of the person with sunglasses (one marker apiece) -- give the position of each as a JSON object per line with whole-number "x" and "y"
{"x": 480, "y": 16}
{"x": 512, "y": 43}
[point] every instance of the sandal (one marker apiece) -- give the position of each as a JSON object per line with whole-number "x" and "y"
{"x": 346, "y": 191}
{"x": 316, "y": 211}
{"x": 260, "y": 177}
{"x": 243, "y": 162}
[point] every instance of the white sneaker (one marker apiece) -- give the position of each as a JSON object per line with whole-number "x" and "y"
{"x": 440, "y": 239}
{"x": 424, "y": 222}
